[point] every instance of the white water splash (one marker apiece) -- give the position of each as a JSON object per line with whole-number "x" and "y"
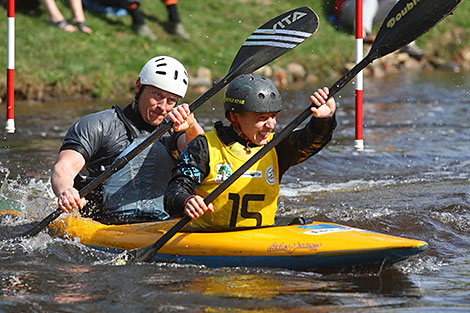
{"x": 420, "y": 265}
{"x": 461, "y": 222}
{"x": 34, "y": 198}
{"x": 305, "y": 188}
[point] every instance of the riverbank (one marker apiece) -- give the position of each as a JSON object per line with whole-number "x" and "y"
{"x": 51, "y": 65}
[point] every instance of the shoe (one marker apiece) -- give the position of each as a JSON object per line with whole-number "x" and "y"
{"x": 178, "y": 30}
{"x": 413, "y": 51}
{"x": 369, "y": 39}
{"x": 83, "y": 27}
{"x": 115, "y": 12}
{"x": 110, "y": 12}
{"x": 64, "y": 25}
{"x": 144, "y": 31}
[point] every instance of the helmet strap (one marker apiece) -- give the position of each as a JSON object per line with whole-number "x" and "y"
{"x": 136, "y": 99}
{"x": 236, "y": 126}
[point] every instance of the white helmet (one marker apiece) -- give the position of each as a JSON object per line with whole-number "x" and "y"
{"x": 165, "y": 73}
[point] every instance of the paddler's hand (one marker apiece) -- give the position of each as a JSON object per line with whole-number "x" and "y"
{"x": 181, "y": 117}
{"x": 70, "y": 199}
{"x": 196, "y": 207}
{"x": 322, "y": 108}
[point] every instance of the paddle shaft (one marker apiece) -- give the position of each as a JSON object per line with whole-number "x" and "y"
{"x": 252, "y": 56}
{"x": 119, "y": 163}
{"x": 262, "y": 152}
{"x": 386, "y": 42}
{"x": 164, "y": 127}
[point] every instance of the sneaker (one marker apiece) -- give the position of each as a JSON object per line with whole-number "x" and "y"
{"x": 413, "y": 51}
{"x": 369, "y": 39}
{"x": 178, "y": 30}
{"x": 144, "y": 31}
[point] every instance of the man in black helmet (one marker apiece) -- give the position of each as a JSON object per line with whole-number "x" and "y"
{"x": 251, "y": 104}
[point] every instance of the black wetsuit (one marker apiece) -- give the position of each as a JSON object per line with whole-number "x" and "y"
{"x": 100, "y": 138}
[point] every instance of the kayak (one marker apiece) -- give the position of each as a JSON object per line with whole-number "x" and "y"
{"x": 315, "y": 246}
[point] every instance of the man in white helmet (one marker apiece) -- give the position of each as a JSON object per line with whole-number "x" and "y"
{"x": 134, "y": 193}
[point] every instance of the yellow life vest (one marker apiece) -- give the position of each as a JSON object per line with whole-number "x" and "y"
{"x": 249, "y": 201}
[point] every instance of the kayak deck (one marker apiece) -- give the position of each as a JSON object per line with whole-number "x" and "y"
{"x": 313, "y": 246}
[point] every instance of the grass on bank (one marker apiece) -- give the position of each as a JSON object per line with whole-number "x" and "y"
{"x": 53, "y": 64}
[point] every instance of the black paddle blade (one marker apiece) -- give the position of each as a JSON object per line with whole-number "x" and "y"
{"x": 281, "y": 34}
{"x": 273, "y": 39}
{"x": 145, "y": 254}
{"x": 408, "y": 20}
{"x": 270, "y": 41}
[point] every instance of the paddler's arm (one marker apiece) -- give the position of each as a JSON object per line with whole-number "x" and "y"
{"x": 305, "y": 142}
{"x": 68, "y": 165}
{"x": 191, "y": 170}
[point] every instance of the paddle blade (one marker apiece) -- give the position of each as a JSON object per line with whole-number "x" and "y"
{"x": 273, "y": 39}
{"x": 145, "y": 254}
{"x": 408, "y": 20}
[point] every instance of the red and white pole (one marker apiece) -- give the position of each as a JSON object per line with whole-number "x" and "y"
{"x": 10, "y": 123}
{"x": 359, "y": 141}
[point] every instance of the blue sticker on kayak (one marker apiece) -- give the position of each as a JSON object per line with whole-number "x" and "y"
{"x": 320, "y": 229}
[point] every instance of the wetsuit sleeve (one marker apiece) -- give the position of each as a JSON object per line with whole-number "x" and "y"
{"x": 99, "y": 137}
{"x": 84, "y": 136}
{"x": 301, "y": 144}
{"x": 170, "y": 142}
{"x": 191, "y": 169}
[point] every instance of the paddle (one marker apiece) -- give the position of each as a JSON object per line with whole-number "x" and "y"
{"x": 273, "y": 39}
{"x": 406, "y": 21}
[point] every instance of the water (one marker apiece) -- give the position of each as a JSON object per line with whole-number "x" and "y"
{"x": 411, "y": 180}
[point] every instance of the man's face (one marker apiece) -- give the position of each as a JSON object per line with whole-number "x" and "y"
{"x": 257, "y": 126}
{"x": 155, "y": 104}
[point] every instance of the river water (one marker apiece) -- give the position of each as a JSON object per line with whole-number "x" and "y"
{"x": 411, "y": 180}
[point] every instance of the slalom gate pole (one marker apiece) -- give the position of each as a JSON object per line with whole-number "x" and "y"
{"x": 359, "y": 140}
{"x": 10, "y": 122}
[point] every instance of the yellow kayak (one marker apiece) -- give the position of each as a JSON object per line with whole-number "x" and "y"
{"x": 311, "y": 246}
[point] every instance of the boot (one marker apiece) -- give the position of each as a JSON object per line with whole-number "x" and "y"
{"x": 413, "y": 51}
{"x": 144, "y": 31}
{"x": 178, "y": 30}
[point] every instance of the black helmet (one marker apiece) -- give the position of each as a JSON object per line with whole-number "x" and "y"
{"x": 252, "y": 93}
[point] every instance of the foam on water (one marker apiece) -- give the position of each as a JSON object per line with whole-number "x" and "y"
{"x": 298, "y": 189}
{"x": 421, "y": 265}
{"x": 34, "y": 197}
{"x": 453, "y": 220}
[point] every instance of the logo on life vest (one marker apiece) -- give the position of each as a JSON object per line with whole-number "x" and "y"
{"x": 409, "y": 6}
{"x": 291, "y": 18}
{"x": 224, "y": 171}
{"x": 270, "y": 177}
{"x": 252, "y": 174}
